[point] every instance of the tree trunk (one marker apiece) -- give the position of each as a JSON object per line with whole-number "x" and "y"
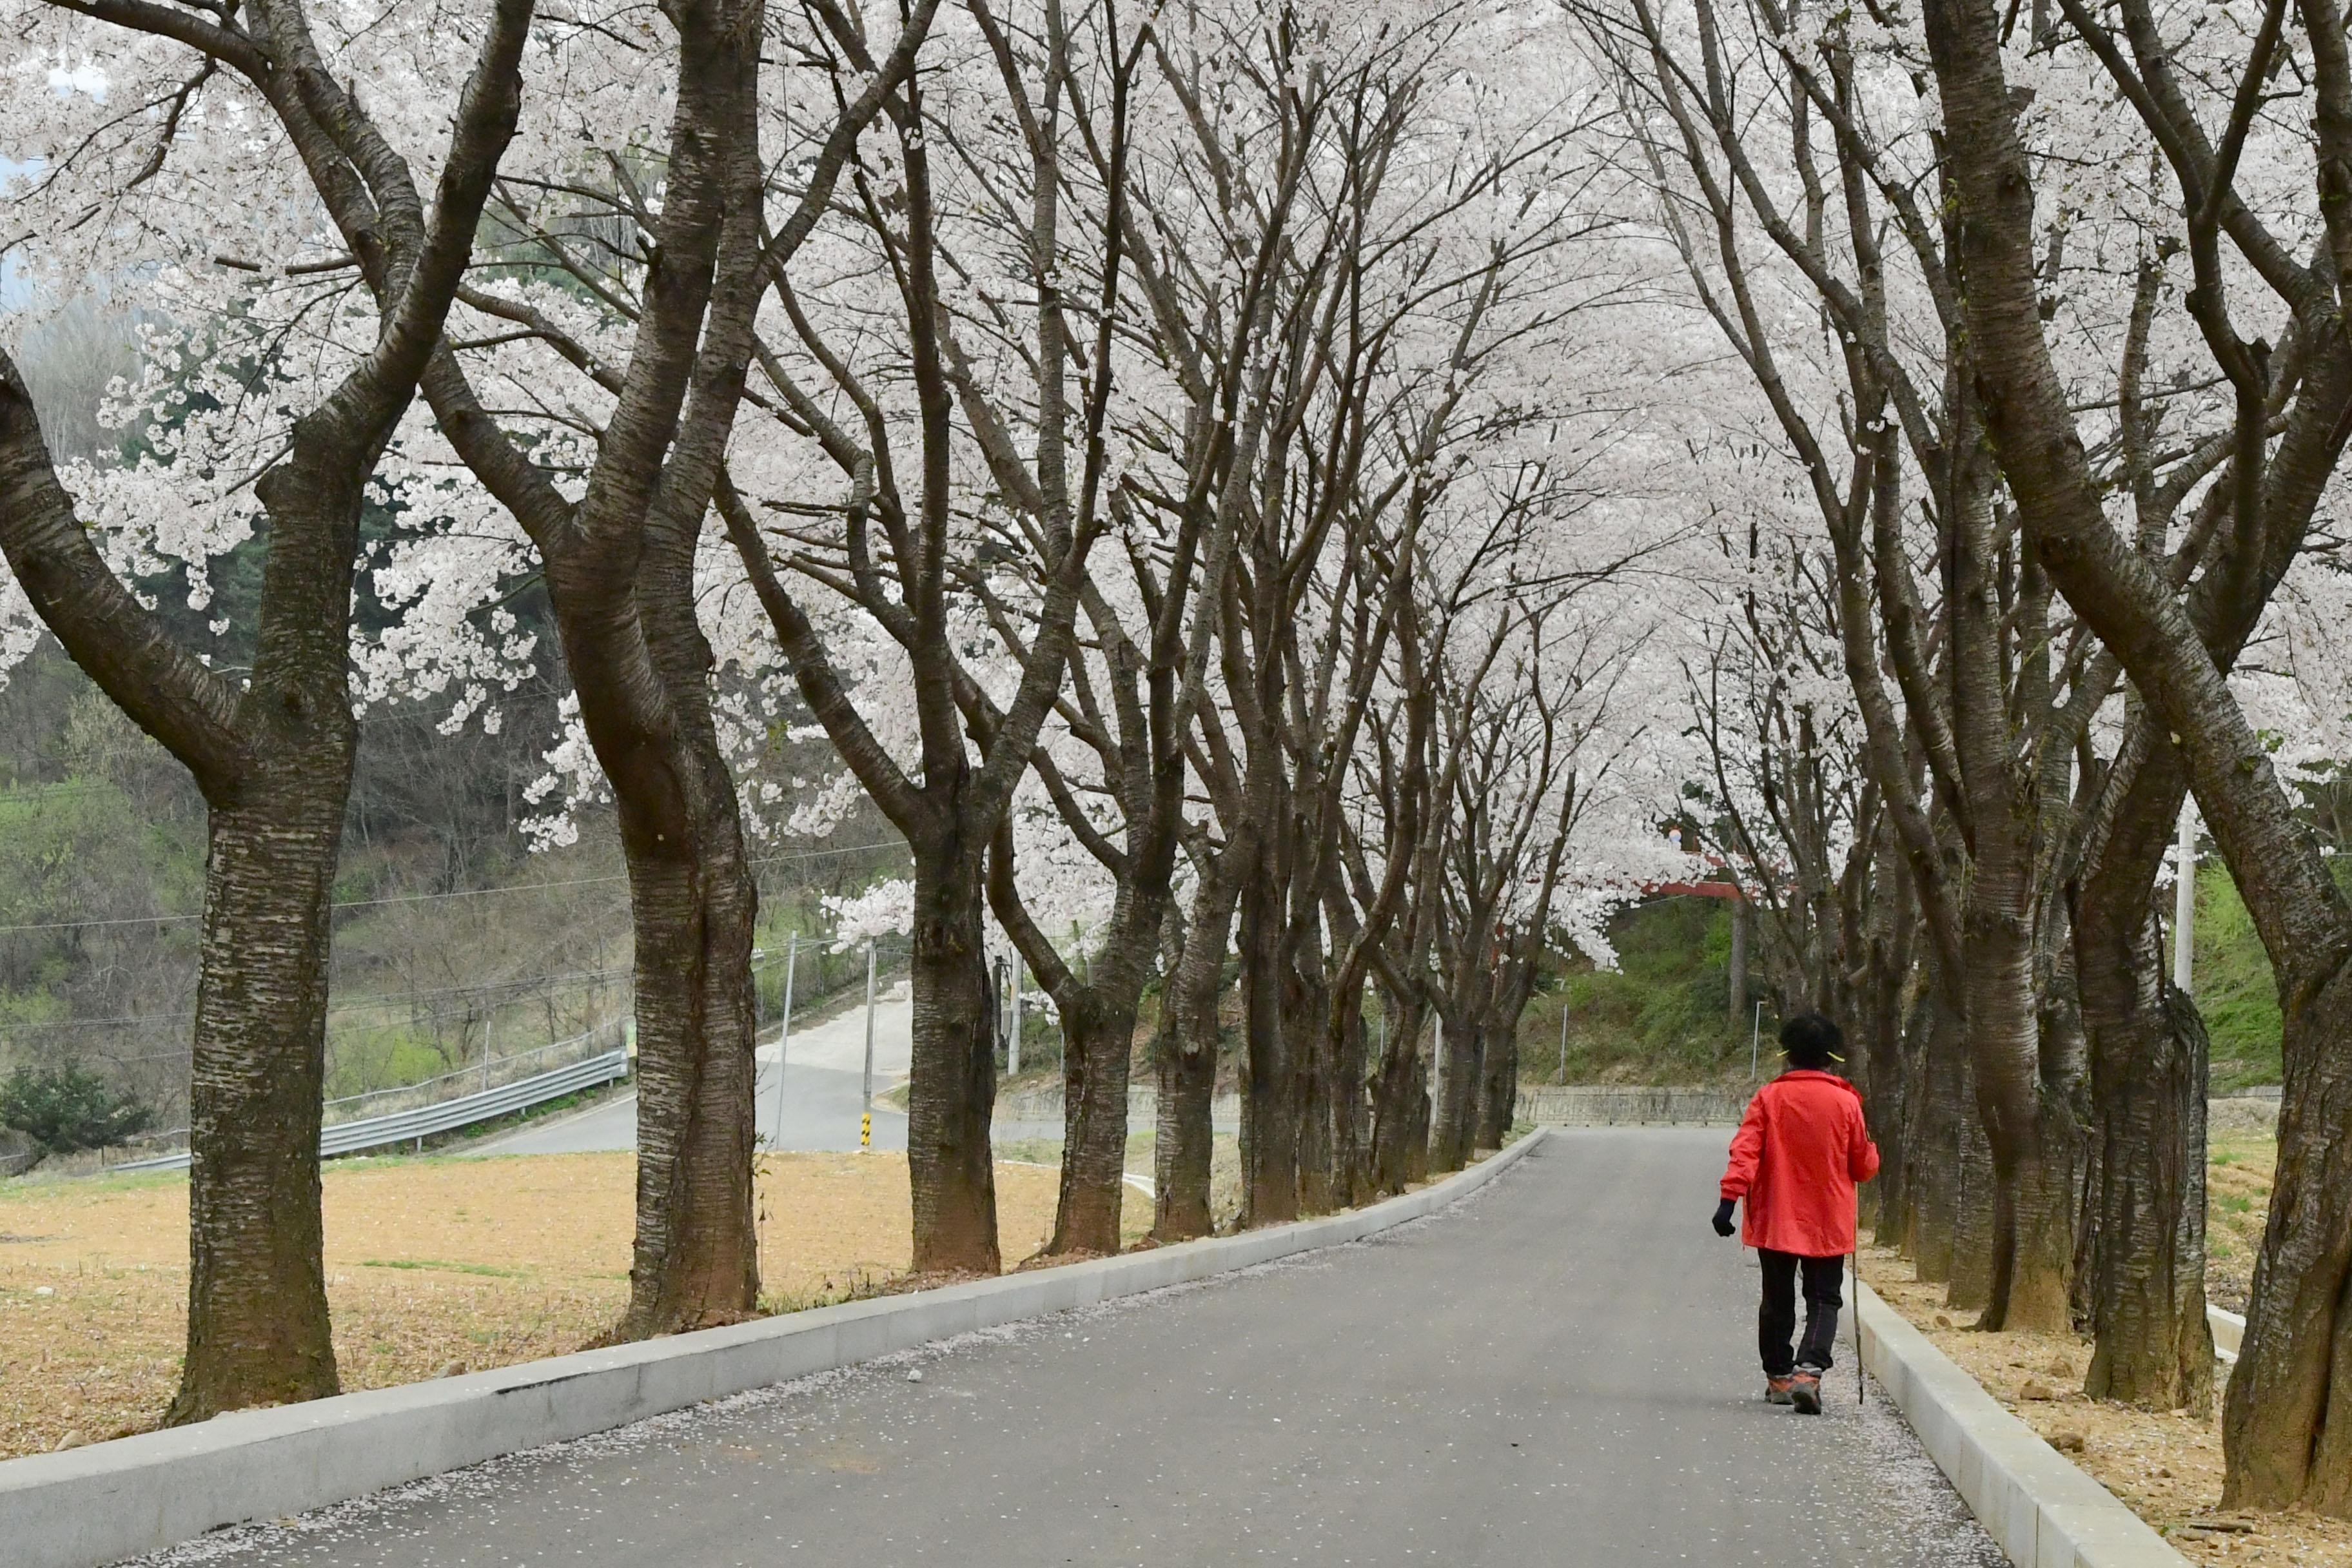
{"x": 1306, "y": 1016}
{"x": 1973, "y": 1203}
{"x": 1351, "y": 1141}
{"x": 1269, "y": 1109}
{"x": 1943, "y": 1114}
{"x": 1097, "y": 1039}
{"x": 1184, "y": 1145}
{"x": 1885, "y": 1074}
{"x": 694, "y": 912}
{"x": 1498, "y": 1098}
{"x": 638, "y": 656}
{"x": 1184, "y": 1139}
{"x": 2033, "y": 1209}
{"x": 257, "y": 1325}
{"x": 1457, "y": 1092}
{"x": 693, "y": 902}
{"x": 954, "y": 1070}
{"x": 2066, "y": 1089}
{"x": 1400, "y": 1104}
{"x": 2283, "y": 1448}
{"x": 2153, "y": 1346}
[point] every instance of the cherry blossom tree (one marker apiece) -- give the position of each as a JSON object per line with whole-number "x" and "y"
{"x": 2281, "y": 1449}
{"x": 272, "y": 751}
{"x": 835, "y": 376}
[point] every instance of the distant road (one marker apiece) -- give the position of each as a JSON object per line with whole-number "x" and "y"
{"x": 1560, "y": 1371}
{"x": 822, "y": 1091}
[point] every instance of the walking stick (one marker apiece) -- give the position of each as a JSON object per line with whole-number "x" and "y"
{"x": 1861, "y": 1380}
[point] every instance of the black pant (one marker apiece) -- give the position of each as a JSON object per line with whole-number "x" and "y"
{"x": 1777, "y": 1319}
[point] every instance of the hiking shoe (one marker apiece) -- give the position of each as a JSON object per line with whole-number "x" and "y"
{"x": 1805, "y": 1390}
{"x": 1777, "y": 1390}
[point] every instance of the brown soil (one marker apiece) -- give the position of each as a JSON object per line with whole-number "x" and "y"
{"x": 434, "y": 1265}
{"x": 2167, "y": 1468}
{"x": 2237, "y": 1204}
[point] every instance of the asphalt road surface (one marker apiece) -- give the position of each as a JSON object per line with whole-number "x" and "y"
{"x": 824, "y": 1090}
{"x": 1558, "y": 1370}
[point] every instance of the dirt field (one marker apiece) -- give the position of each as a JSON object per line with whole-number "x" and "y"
{"x": 2237, "y": 1198}
{"x": 2165, "y": 1467}
{"x": 434, "y": 1265}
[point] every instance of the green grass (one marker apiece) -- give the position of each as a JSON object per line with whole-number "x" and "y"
{"x": 1048, "y": 1151}
{"x": 1659, "y": 1017}
{"x": 2234, "y": 987}
{"x": 437, "y": 1266}
{"x": 93, "y": 1185}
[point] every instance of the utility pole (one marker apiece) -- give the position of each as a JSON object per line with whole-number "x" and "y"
{"x": 1755, "y": 1039}
{"x": 869, "y": 1034}
{"x": 1738, "y": 987}
{"x": 1437, "y": 1060}
{"x": 784, "y": 1032}
{"x": 2184, "y": 898}
{"x": 1013, "y": 1041}
{"x": 759, "y": 1027}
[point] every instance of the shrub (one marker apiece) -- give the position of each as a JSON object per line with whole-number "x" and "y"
{"x": 66, "y": 1108}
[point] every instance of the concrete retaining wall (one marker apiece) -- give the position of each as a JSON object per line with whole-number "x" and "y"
{"x": 2229, "y": 1332}
{"x": 2043, "y": 1512}
{"x": 94, "y": 1505}
{"x": 1040, "y": 1106}
{"x": 1630, "y": 1105}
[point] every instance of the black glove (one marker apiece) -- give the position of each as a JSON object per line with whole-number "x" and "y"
{"x": 1723, "y": 1226}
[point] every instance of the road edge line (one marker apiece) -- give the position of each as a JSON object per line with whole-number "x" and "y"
{"x": 90, "y": 1505}
{"x": 2041, "y": 1509}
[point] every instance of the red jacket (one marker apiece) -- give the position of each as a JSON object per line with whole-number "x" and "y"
{"x": 1797, "y": 1153}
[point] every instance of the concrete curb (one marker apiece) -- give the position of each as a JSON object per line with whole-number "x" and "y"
{"x": 2042, "y": 1511}
{"x": 95, "y": 1505}
{"x": 2229, "y": 1333}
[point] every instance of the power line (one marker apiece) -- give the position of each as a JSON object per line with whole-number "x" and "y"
{"x": 525, "y": 992}
{"x": 529, "y": 989}
{"x": 430, "y": 898}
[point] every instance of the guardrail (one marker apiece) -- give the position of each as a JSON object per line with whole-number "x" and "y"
{"x": 425, "y": 1121}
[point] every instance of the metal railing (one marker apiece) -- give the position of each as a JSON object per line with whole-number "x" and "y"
{"x": 478, "y": 1077}
{"x": 444, "y": 1116}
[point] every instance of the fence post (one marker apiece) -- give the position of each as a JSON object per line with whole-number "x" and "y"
{"x": 869, "y": 1034}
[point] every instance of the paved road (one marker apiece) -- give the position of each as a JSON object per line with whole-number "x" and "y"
{"x": 824, "y": 1090}
{"x": 1558, "y": 1372}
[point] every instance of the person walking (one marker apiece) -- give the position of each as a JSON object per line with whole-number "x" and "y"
{"x": 1799, "y": 1153}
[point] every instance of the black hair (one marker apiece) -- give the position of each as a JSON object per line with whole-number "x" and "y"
{"x": 1809, "y": 1040}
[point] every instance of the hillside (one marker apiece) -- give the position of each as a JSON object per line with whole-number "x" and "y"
{"x": 456, "y": 940}
{"x": 1659, "y": 1017}
{"x": 2234, "y": 986}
